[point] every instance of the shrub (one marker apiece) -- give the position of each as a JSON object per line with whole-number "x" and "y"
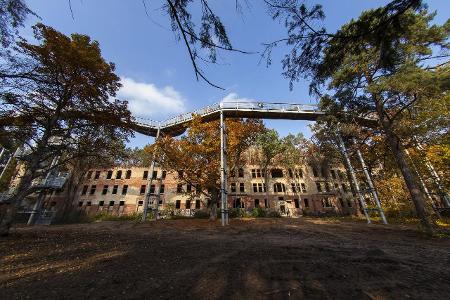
{"x": 258, "y": 212}
{"x": 274, "y": 214}
{"x": 105, "y": 216}
{"x": 201, "y": 214}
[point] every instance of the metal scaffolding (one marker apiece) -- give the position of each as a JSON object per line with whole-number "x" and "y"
{"x": 370, "y": 183}
{"x": 344, "y": 153}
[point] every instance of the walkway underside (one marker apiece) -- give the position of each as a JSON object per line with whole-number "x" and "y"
{"x": 257, "y": 110}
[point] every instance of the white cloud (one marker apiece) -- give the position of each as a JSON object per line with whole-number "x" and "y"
{"x": 149, "y": 101}
{"x": 233, "y": 97}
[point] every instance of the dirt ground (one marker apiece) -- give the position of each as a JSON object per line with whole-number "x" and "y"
{"x": 263, "y": 259}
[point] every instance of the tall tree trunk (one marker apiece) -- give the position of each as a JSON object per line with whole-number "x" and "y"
{"x": 398, "y": 151}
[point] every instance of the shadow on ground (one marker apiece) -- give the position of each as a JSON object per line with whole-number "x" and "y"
{"x": 271, "y": 258}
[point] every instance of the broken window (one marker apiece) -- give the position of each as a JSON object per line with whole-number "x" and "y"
{"x": 128, "y": 174}
{"x": 277, "y": 173}
{"x": 189, "y": 188}
{"x": 101, "y": 203}
{"x": 333, "y": 174}
{"x": 145, "y": 175}
{"x": 241, "y": 172}
{"x": 177, "y": 204}
{"x": 92, "y": 192}
{"x": 241, "y": 187}
{"x": 119, "y": 174}
{"x": 142, "y": 191}
{"x": 111, "y": 203}
{"x": 306, "y": 201}
{"x": 318, "y": 186}
{"x": 161, "y": 189}
{"x": 115, "y": 188}
{"x": 121, "y": 203}
{"x": 179, "y": 188}
{"x": 97, "y": 175}
{"x": 188, "y": 204}
{"x": 155, "y": 174}
{"x": 84, "y": 191}
{"x": 124, "y": 189}
{"x": 279, "y": 188}
{"x": 152, "y": 189}
{"x": 296, "y": 203}
{"x": 109, "y": 174}
{"x": 105, "y": 190}
{"x": 256, "y": 202}
{"x": 197, "y": 204}
{"x": 326, "y": 202}
{"x": 303, "y": 185}
{"x": 293, "y": 186}
{"x": 89, "y": 175}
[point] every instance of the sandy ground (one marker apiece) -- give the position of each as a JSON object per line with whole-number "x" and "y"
{"x": 263, "y": 259}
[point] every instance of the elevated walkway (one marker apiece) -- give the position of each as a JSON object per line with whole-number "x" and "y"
{"x": 258, "y": 110}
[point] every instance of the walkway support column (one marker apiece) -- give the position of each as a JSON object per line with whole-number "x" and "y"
{"x": 40, "y": 199}
{"x": 15, "y": 154}
{"x": 150, "y": 179}
{"x": 370, "y": 183}
{"x": 344, "y": 153}
{"x": 223, "y": 171}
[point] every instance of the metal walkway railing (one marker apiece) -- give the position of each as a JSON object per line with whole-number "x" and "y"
{"x": 243, "y": 109}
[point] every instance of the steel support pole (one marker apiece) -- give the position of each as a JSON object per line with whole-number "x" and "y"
{"x": 157, "y": 197}
{"x": 40, "y": 199}
{"x": 1, "y": 153}
{"x": 223, "y": 171}
{"x": 437, "y": 180}
{"x": 422, "y": 183}
{"x": 370, "y": 183}
{"x": 15, "y": 154}
{"x": 150, "y": 179}
{"x": 343, "y": 150}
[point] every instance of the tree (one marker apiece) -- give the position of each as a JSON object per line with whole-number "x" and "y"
{"x": 64, "y": 90}
{"x": 196, "y": 156}
{"x": 13, "y": 14}
{"x": 269, "y": 146}
{"x": 94, "y": 148}
{"x": 375, "y": 65}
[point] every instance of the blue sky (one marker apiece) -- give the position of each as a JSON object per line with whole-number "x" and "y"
{"x": 158, "y": 78}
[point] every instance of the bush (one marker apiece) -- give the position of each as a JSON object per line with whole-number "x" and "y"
{"x": 201, "y": 214}
{"x": 105, "y": 216}
{"x": 274, "y": 214}
{"x": 258, "y": 212}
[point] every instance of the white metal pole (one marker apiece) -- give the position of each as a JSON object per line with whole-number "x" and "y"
{"x": 1, "y": 153}
{"x": 40, "y": 199}
{"x": 150, "y": 179}
{"x": 223, "y": 172}
{"x": 15, "y": 154}
{"x": 437, "y": 180}
{"x": 353, "y": 176}
{"x": 370, "y": 182}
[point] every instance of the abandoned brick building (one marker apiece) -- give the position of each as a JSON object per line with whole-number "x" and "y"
{"x": 292, "y": 192}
